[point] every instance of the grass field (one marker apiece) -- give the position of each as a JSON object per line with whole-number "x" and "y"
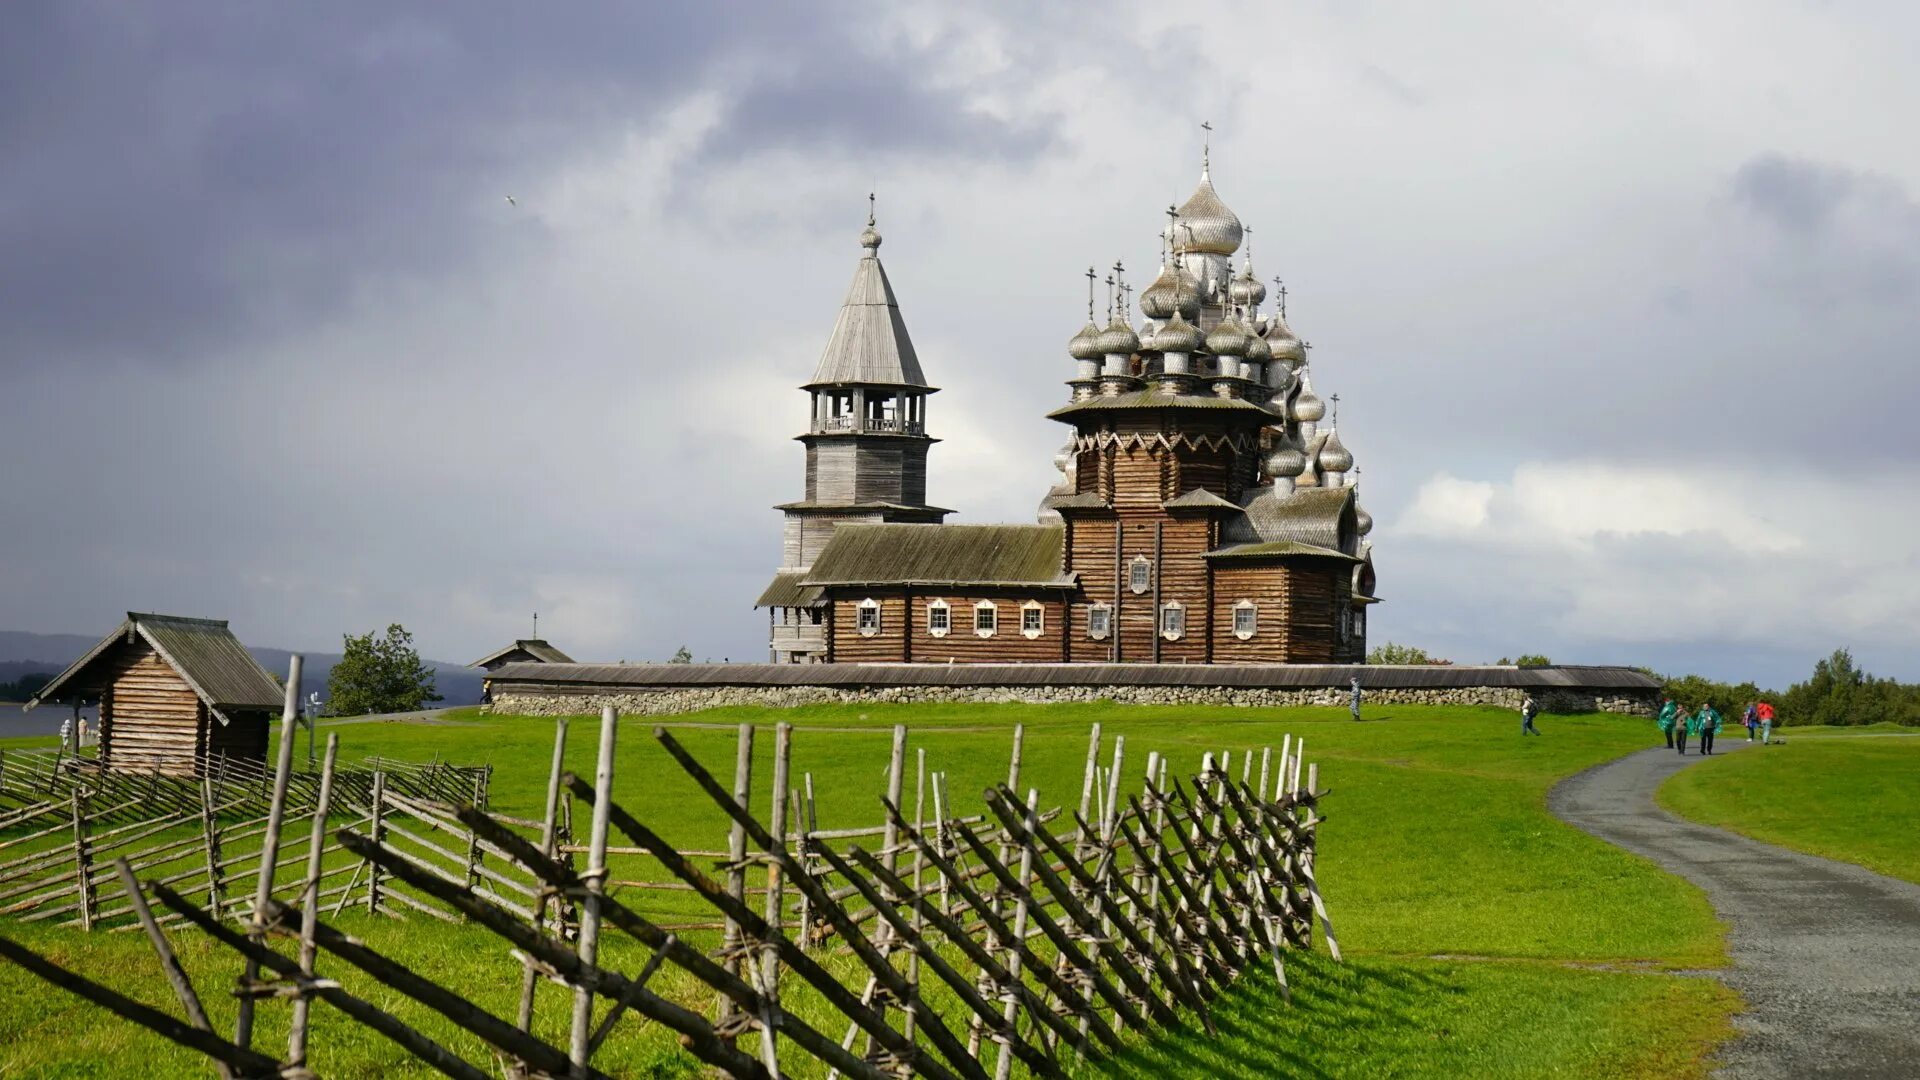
{"x": 1847, "y": 794}
{"x": 1483, "y": 937}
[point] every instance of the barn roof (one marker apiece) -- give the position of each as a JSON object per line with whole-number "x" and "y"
{"x": 585, "y": 678}
{"x": 537, "y": 648}
{"x": 895, "y": 554}
{"x": 787, "y": 590}
{"x": 202, "y": 651}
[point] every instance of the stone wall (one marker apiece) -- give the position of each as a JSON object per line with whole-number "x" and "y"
{"x": 661, "y": 702}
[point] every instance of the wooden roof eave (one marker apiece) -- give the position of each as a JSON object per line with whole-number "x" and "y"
{"x": 52, "y": 689}
{"x": 1068, "y": 583}
{"x": 73, "y": 670}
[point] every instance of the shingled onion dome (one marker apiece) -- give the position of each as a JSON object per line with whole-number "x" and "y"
{"x": 1286, "y": 460}
{"x": 1204, "y": 223}
{"x": 1246, "y": 290}
{"x": 1117, "y": 339}
{"x": 1258, "y": 351}
{"x": 1228, "y": 339}
{"x": 1286, "y": 348}
{"x": 1085, "y": 344}
{"x": 1177, "y": 336}
{"x": 1334, "y": 456}
{"x": 870, "y": 237}
{"x": 1308, "y": 408}
{"x": 1363, "y": 521}
{"x": 1175, "y": 290}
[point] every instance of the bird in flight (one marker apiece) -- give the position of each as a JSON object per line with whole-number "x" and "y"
{"x": 511, "y": 202}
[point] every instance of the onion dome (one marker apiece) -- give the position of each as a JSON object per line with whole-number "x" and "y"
{"x": 1362, "y": 520}
{"x": 1285, "y": 346}
{"x": 1286, "y": 460}
{"x": 1084, "y": 345}
{"x": 1176, "y": 289}
{"x": 1064, "y": 457}
{"x": 1258, "y": 351}
{"x": 1203, "y": 222}
{"x": 1228, "y": 339}
{"x": 1178, "y": 336}
{"x": 1117, "y": 338}
{"x": 1308, "y": 407}
{"x": 870, "y": 237}
{"x": 1246, "y": 290}
{"x": 1334, "y": 456}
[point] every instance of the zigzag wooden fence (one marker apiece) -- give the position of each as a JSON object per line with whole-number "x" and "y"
{"x": 1024, "y": 938}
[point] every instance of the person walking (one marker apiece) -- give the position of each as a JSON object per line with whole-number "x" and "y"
{"x": 66, "y": 735}
{"x": 1750, "y": 719}
{"x": 1355, "y": 706}
{"x": 1669, "y": 711}
{"x": 1765, "y": 709}
{"x": 1528, "y": 710}
{"x": 1681, "y": 722}
{"x": 1709, "y": 727}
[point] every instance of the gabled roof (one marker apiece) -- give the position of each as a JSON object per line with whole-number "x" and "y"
{"x": 895, "y": 554}
{"x": 787, "y": 590}
{"x": 1303, "y": 516}
{"x": 1198, "y": 499}
{"x": 869, "y": 343}
{"x": 537, "y": 648}
{"x": 202, "y": 651}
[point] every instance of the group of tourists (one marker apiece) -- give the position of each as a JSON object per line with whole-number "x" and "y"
{"x": 1702, "y": 724}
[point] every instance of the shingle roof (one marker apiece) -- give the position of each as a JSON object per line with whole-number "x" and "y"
{"x": 1198, "y": 499}
{"x": 584, "y": 678}
{"x": 786, "y": 590}
{"x": 1303, "y": 516}
{"x": 896, "y": 554}
{"x": 1083, "y": 500}
{"x": 869, "y": 343}
{"x": 534, "y": 647}
{"x": 203, "y": 651}
{"x": 1275, "y": 549}
{"x": 1154, "y": 399}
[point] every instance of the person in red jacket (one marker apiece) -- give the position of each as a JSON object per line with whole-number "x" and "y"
{"x": 1765, "y": 709}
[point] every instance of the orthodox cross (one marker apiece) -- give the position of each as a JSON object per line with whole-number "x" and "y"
{"x": 869, "y": 209}
{"x": 536, "y": 626}
{"x": 1109, "y": 297}
{"x": 1336, "y": 408}
{"x": 1120, "y": 275}
{"x": 1206, "y": 144}
{"x": 1089, "y": 294}
{"x": 1280, "y": 288}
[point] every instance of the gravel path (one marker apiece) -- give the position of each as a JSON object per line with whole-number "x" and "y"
{"x": 1826, "y": 954}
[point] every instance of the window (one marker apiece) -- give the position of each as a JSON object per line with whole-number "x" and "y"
{"x": 1033, "y": 619}
{"x": 868, "y": 619}
{"x": 939, "y": 618}
{"x": 1246, "y": 619}
{"x": 1140, "y": 574}
{"x": 986, "y": 618}
{"x": 1173, "y": 621}
{"x": 1346, "y": 624}
{"x": 1099, "y": 621}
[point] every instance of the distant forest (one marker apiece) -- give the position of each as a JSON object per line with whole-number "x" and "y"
{"x": 20, "y": 678}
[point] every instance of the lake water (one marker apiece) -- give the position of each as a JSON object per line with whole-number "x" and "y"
{"x": 44, "y": 720}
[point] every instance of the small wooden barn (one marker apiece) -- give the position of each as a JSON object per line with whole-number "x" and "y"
{"x": 173, "y": 693}
{"x": 523, "y": 651}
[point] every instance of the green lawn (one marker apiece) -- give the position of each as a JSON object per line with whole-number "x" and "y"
{"x": 1483, "y": 937}
{"x": 1847, "y": 794}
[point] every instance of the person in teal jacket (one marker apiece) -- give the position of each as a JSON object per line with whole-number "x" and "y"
{"x": 1709, "y": 720}
{"x": 1682, "y": 723}
{"x": 1669, "y": 709}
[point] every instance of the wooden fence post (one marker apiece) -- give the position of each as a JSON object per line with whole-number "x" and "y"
{"x": 310, "y": 902}
{"x": 726, "y": 1017}
{"x": 595, "y": 877}
{"x": 530, "y": 976}
{"x": 83, "y": 861}
{"x": 377, "y": 832}
{"x": 269, "y": 849}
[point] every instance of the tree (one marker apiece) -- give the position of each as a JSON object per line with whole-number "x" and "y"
{"x": 1391, "y": 653}
{"x": 1533, "y": 660}
{"x": 681, "y": 655}
{"x": 379, "y": 675}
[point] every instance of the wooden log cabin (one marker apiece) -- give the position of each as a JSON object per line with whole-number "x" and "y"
{"x": 1203, "y": 515}
{"x": 522, "y": 651}
{"x": 174, "y": 694}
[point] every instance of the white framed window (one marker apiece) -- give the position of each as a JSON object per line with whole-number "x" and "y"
{"x": 1099, "y": 621}
{"x": 1140, "y": 574}
{"x": 1246, "y": 620}
{"x": 986, "y": 618}
{"x": 867, "y": 621}
{"x": 1173, "y": 620}
{"x": 939, "y": 618}
{"x": 1033, "y": 619}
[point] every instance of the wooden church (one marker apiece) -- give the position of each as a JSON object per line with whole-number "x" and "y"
{"x": 1207, "y": 510}
{"x": 175, "y": 694}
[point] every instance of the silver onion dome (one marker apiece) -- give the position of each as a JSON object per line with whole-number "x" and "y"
{"x": 1285, "y": 346}
{"x": 1286, "y": 460}
{"x": 1085, "y": 344}
{"x": 1117, "y": 338}
{"x": 1246, "y": 290}
{"x": 1362, "y": 520}
{"x": 1334, "y": 456}
{"x": 1258, "y": 351}
{"x": 1308, "y": 407}
{"x": 1203, "y": 222}
{"x": 870, "y": 238}
{"x": 1228, "y": 339}
{"x": 1177, "y": 336}
{"x": 1175, "y": 290}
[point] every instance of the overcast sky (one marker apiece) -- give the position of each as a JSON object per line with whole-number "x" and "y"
{"x": 1620, "y": 301}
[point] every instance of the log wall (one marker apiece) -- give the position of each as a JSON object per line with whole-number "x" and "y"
{"x": 903, "y": 635}
{"x": 149, "y": 717}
